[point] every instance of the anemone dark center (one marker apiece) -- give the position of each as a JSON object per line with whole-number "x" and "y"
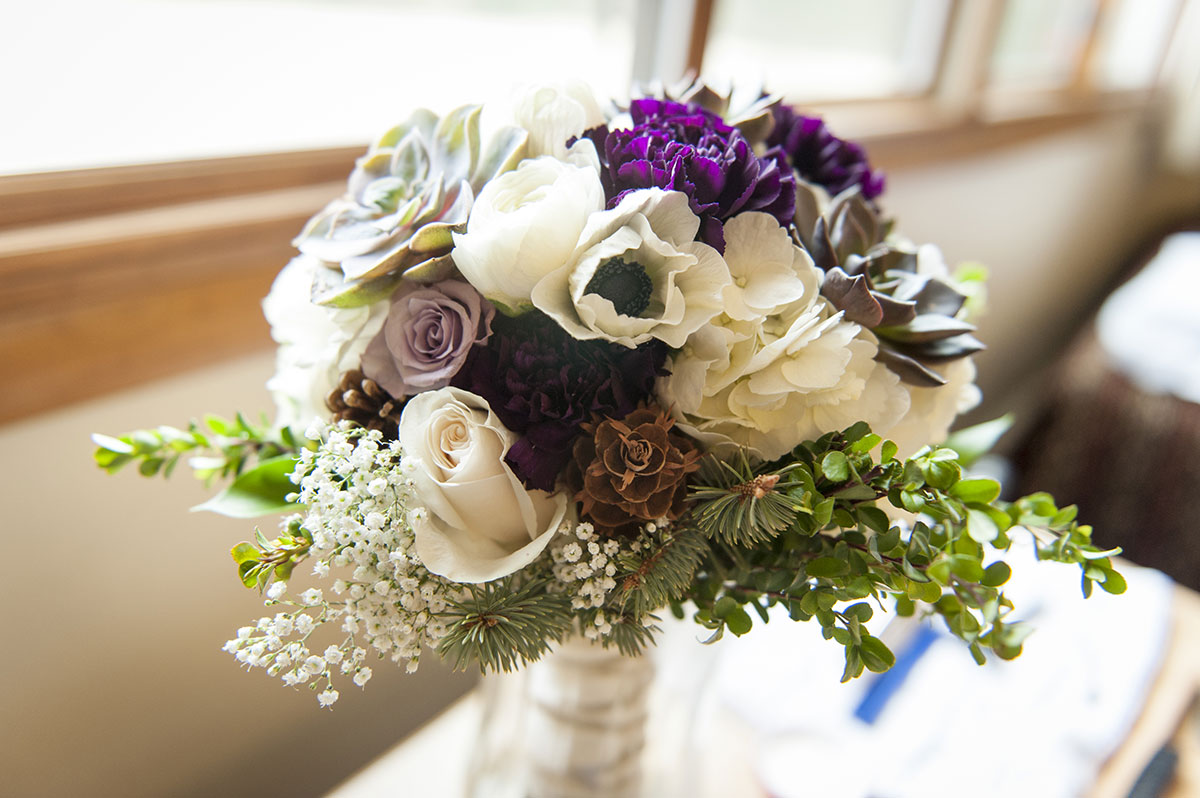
{"x": 624, "y": 284}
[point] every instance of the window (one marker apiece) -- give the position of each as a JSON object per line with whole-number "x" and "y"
{"x": 159, "y": 154}
{"x": 816, "y": 50}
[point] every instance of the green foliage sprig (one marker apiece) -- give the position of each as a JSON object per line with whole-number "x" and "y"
{"x": 216, "y": 449}
{"x": 265, "y": 560}
{"x": 259, "y": 458}
{"x": 821, "y": 540}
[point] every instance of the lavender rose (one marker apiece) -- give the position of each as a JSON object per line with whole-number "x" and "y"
{"x": 427, "y": 335}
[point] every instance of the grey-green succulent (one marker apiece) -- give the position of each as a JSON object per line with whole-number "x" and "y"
{"x": 405, "y": 197}
{"x": 834, "y": 229}
{"x": 917, "y": 317}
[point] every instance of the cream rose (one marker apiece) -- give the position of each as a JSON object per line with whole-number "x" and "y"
{"x": 316, "y": 343}
{"x": 524, "y": 225}
{"x": 480, "y": 522}
{"x": 637, "y": 274}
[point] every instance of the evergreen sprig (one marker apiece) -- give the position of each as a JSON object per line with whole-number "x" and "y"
{"x": 504, "y": 624}
{"x": 653, "y": 578}
{"x": 739, "y": 505}
{"x": 216, "y": 448}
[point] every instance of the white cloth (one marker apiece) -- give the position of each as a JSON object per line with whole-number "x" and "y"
{"x": 1045, "y": 722}
{"x": 1150, "y": 327}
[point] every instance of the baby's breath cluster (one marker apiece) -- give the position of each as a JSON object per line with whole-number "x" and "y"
{"x": 358, "y": 493}
{"x": 584, "y": 565}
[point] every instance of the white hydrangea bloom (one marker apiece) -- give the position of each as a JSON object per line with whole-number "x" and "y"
{"x": 781, "y": 372}
{"x": 316, "y": 344}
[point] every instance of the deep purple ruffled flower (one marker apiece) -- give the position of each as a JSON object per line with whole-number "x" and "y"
{"x": 821, "y": 157}
{"x": 543, "y": 384}
{"x": 681, "y": 147}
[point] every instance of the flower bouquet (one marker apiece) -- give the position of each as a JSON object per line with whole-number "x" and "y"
{"x": 554, "y": 375}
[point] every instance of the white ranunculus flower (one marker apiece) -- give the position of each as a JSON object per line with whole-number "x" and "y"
{"x": 524, "y": 225}
{"x": 933, "y": 410}
{"x": 554, "y": 114}
{"x": 784, "y": 375}
{"x": 480, "y": 522}
{"x": 651, "y": 232}
{"x": 316, "y": 343}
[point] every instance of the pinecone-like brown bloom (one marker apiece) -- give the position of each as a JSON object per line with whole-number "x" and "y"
{"x": 360, "y": 399}
{"x": 628, "y": 472}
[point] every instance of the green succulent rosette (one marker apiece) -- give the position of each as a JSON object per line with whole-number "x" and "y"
{"x": 405, "y": 197}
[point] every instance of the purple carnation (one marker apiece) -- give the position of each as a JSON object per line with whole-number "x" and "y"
{"x": 680, "y": 147}
{"x": 543, "y": 384}
{"x": 426, "y": 337}
{"x": 821, "y": 157}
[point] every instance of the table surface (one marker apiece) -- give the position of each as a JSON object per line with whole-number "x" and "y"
{"x": 434, "y": 760}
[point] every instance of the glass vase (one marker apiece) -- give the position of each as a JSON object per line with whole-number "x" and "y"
{"x": 571, "y": 725}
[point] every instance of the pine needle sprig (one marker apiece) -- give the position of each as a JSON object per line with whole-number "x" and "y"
{"x": 502, "y": 625}
{"x": 733, "y": 502}
{"x": 652, "y": 579}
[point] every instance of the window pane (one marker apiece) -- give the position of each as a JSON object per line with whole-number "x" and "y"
{"x": 120, "y": 81}
{"x": 1040, "y": 42}
{"x": 1132, "y": 40}
{"x": 817, "y": 49}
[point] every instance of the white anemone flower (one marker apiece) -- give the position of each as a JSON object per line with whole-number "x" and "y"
{"x": 637, "y": 274}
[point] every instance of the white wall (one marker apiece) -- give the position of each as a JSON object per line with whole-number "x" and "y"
{"x": 117, "y": 600}
{"x": 116, "y": 604}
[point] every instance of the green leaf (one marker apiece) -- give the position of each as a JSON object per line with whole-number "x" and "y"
{"x": 260, "y": 491}
{"x": 244, "y": 552}
{"x": 873, "y": 518}
{"x": 835, "y": 467}
{"x": 739, "y": 621}
{"x": 971, "y": 443}
{"x": 112, "y": 444}
{"x": 875, "y": 655}
{"x": 724, "y": 606}
{"x": 827, "y": 567}
{"x": 996, "y": 574}
{"x": 981, "y": 527}
{"x": 1114, "y": 583}
{"x": 978, "y": 490}
{"x": 888, "y": 451}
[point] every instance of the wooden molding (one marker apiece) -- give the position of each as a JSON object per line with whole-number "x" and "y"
{"x": 49, "y": 197}
{"x": 105, "y": 303}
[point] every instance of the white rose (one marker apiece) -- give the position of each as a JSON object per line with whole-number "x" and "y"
{"x": 651, "y": 231}
{"x": 554, "y": 114}
{"x": 481, "y": 523}
{"x": 524, "y": 225}
{"x": 316, "y": 343}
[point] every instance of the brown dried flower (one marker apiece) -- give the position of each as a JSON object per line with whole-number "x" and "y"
{"x": 628, "y": 472}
